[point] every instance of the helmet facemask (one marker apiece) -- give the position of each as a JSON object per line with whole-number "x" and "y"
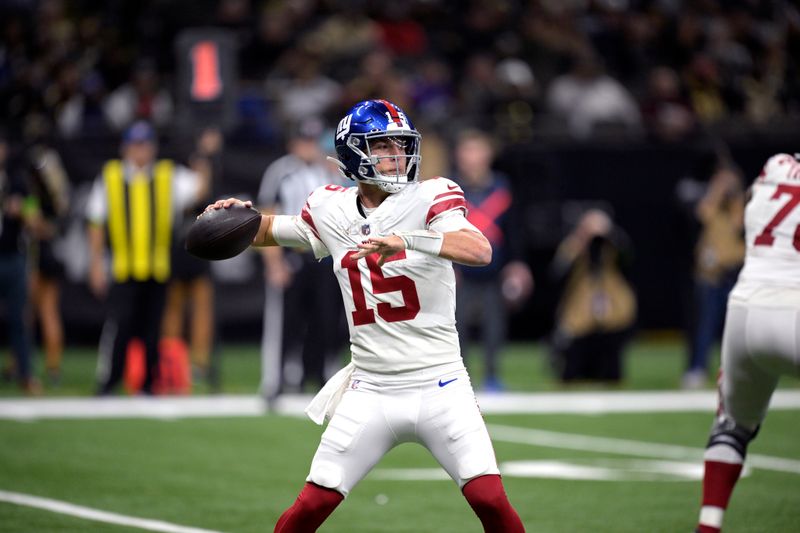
{"x": 404, "y": 168}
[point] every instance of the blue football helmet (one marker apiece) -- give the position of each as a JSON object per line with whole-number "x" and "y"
{"x": 363, "y": 124}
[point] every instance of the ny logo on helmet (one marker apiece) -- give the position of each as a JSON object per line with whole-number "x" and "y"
{"x": 344, "y": 127}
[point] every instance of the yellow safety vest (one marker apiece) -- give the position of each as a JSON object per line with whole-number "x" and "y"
{"x": 139, "y": 229}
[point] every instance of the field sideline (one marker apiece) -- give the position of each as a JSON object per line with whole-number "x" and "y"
{"x": 167, "y": 408}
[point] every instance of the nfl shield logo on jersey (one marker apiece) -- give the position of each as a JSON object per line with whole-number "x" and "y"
{"x": 365, "y": 229}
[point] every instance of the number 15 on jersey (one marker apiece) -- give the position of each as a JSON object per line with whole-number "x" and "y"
{"x": 381, "y": 284}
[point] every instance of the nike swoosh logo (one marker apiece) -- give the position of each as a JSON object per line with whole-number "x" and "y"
{"x": 452, "y": 188}
{"x": 443, "y": 383}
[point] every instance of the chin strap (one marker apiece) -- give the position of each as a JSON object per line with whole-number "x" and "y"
{"x": 391, "y": 188}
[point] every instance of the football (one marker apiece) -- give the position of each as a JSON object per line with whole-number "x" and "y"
{"x": 223, "y": 233}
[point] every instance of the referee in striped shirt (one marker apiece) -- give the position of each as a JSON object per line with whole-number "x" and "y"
{"x": 302, "y": 295}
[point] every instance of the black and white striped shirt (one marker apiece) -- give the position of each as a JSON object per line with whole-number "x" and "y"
{"x": 289, "y": 180}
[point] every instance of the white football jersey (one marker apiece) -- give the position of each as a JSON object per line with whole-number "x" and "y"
{"x": 401, "y": 315}
{"x": 772, "y": 225}
{"x": 761, "y": 339}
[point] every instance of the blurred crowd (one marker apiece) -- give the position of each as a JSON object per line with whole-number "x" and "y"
{"x": 475, "y": 74}
{"x": 575, "y": 68}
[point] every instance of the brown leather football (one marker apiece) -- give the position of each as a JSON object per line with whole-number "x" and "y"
{"x": 223, "y": 233}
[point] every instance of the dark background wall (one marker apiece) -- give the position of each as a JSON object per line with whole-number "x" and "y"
{"x": 553, "y": 181}
{"x": 639, "y": 182}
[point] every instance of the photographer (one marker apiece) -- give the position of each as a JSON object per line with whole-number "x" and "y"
{"x": 597, "y": 307}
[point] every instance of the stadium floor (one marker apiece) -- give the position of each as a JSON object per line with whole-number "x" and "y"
{"x": 225, "y": 463}
{"x": 586, "y": 459}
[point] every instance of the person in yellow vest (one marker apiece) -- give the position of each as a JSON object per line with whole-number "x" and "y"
{"x": 131, "y": 209}
{"x": 597, "y": 307}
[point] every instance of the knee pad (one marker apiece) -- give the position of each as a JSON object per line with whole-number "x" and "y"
{"x": 327, "y": 475}
{"x": 726, "y": 432}
{"x": 473, "y": 465}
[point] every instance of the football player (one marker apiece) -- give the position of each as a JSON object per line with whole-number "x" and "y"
{"x": 393, "y": 239}
{"x": 762, "y": 330}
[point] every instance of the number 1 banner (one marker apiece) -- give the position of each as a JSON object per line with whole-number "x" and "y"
{"x": 207, "y": 74}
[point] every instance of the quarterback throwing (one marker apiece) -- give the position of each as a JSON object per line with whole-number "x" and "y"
{"x": 393, "y": 239}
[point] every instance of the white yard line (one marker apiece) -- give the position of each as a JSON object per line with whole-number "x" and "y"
{"x": 598, "y": 469}
{"x": 88, "y": 513}
{"x": 572, "y": 441}
{"x": 617, "y": 402}
{"x": 166, "y": 407}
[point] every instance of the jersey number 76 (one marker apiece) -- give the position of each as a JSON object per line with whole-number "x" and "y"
{"x": 766, "y": 238}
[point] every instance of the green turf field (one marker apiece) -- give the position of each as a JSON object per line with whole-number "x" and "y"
{"x": 524, "y": 367}
{"x": 649, "y": 365}
{"x": 237, "y": 474}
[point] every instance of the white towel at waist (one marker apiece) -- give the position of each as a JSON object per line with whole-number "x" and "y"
{"x": 323, "y": 405}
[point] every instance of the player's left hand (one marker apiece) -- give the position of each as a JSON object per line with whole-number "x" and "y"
{"x": 383, "y": 246}
{"x": 224, "y": 204}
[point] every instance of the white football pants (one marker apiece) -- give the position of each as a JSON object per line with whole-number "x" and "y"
{"x": 761, "y": 342}
{"x": 435, "y": 407}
